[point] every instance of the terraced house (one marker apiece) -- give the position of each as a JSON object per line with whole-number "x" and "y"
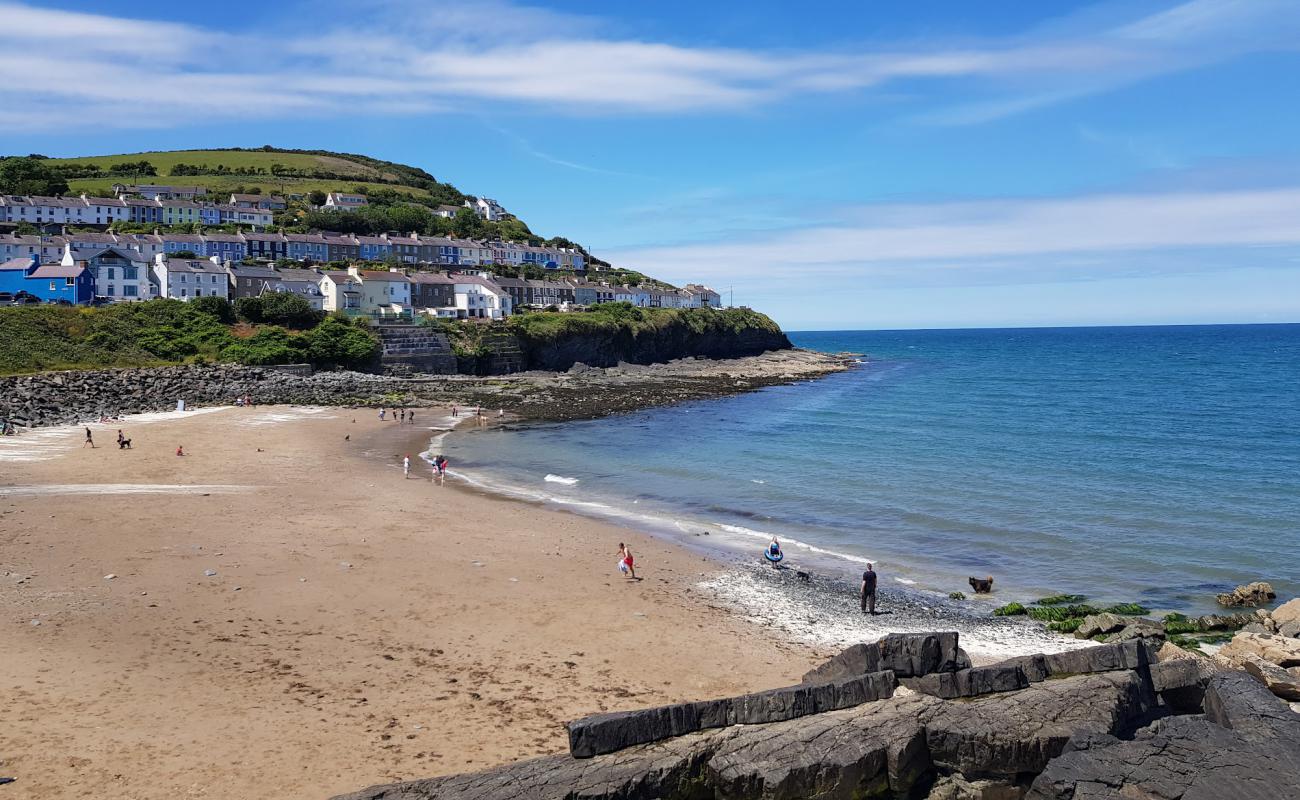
{"x": 120, "y": 274}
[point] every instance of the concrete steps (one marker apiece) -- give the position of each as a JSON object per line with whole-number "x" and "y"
{"x": 416, "y": 348}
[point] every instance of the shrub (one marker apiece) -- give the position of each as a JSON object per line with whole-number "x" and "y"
{"x": 270, "y": 345}
{"x": 249, "y": 309}
{"x": 290, "y": 310}
{"x": 218, "y": 307}
{"x": 335, "y": 343}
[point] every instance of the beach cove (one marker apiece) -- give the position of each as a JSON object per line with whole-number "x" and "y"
{"x": 356, "y": 627}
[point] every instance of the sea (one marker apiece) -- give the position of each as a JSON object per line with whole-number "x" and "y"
{"x": 1157, "y": 465}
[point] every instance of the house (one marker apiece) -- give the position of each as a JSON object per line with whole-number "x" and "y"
{"x": 480, "y": 298}
{"x": 225, "y": 246}
{"x": 372, "y": 248}
{"x": 636, "y": 296}
{"x": 407, "y": 248}
{"x": 183, "y": 212}
{"x": 307, "y": 247}
{"x": 158, "y": 192}
{"x": 187, "y": 278}
{"x": 382, "y": 289}
{"x": 472, "y": 253}
{"x": 486, "y": 208}
{"x": 247, "y": 281}
{"x": 518, "y": 289}
{"x": 703, "y": 296}
{"x": 148, "y": 212}
{"x": 341, "y": 248}
{"x": 432, "y": 290}
{"x": 82, "y": 210}
{"x": 551, "y": 293}
{"x": 270, "y": 246}
{"x": 268, "y": 202}
{"x": 120, "y": 274}
{"x": 184, "y": 243}
{"x": 345, "y": 202}
{"x": 340, "y": 291}
{"x": 50, "y": 282}
{"x": 589, "y": 294}
{"x": 308, "y": 289}
{"x": 446, "y": 212}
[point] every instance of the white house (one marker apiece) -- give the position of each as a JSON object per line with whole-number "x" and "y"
{"x": 340, "y": 291}
{"x": 307, "y": 289}
{"x": 345, "y": 202}
{"x": 188, "y": 278}
{"x": 121, "y": 274}
{"x": 635, "y": 296}
{"x": 479, "y": 298}
{"x": 703, "y": 296}
{"x": 383, "y": 290}
{"x": 486, "y": 208}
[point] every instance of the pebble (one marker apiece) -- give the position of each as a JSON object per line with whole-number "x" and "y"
{"x": 110, "y": 576}
{"x": 302, "y": 580}
{"x": 35, "y": 623}
{"x": 345, "y": 564}
{"x": 514, "y": 580}
{"x": 209, "y": 572}
{"x": 238, "y": 588}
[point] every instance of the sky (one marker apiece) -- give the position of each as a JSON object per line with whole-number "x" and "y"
{"x": 838, "y": 165}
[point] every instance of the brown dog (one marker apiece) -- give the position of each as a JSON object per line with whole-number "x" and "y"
{"x": 982, "y": 585}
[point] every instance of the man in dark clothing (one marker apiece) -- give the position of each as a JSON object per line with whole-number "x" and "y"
{"x": 869, "y": 591}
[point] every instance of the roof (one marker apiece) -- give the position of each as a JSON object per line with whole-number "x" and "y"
{"x": 248, "y": 271}
{"x": 299, "y": 275}
{"x": 57, "y": 271}
{"x": 383, "y": 275}
{"x": 432, "y": 277}
{"x": 16, "y": 263}
{"x": 292, "y": 287}
{"x": 338, "y": 276}
{"x": 194, "y": 265}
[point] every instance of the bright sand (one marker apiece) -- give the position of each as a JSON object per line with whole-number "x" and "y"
{"x": 360, "y": 628}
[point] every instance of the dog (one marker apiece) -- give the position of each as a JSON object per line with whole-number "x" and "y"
{"x": 982, "y": 585}
{"x": 803, "y": 576}
{"x": 124, "y": 444}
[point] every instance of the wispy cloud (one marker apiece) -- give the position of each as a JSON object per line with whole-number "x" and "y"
{"x": 995, "y": 240}
{"x": 406, "y": 57}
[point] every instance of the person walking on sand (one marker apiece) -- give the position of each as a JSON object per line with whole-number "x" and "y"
{"x": 868, "y": 590}
{"x": 406, "y": 466}
{"x": 625, "y": 564}
{"x": 90, "y": 440}
{"x": 455, "y": 412}
{"x": 381, "y": 413}
{"x": 402, "y": 418}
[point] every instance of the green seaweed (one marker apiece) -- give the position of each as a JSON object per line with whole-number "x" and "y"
{"x": 1060, "y": 613}
{"x": 1174, "y": 616}
{"x": 956, "y": 596}
{"x": 1009, "y": 610}
{"x": 1178, "y": 626}
{"x": 1129, "y": 610}
{"x": 1061, "y": 600}
{"x": 1066, "y": 625}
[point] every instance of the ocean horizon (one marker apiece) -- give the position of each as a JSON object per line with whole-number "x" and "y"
{"x": 1157, "y": 464}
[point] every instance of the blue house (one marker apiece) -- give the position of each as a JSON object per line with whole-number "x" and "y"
{"x": 49, "y": 282}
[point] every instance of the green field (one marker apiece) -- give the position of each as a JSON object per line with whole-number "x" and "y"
{"x": 224, "y": 184}
{"x": 164, "y": 161}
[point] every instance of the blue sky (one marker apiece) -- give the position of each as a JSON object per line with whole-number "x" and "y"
{"x": 839, "y": 165}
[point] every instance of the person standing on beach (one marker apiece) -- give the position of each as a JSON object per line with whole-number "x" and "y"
{"x": 625, "y": 562}
{"x": 869, "y": 590}
{"x": 406, "y": 467}
{"x": 402, "y": 418}
{"x": 381, "y": 414}
{"x": 410, "y": 418}
{"x": 90, "y": 440}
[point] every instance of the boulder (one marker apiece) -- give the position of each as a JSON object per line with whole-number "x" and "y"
{"x": 1235, "y": 700}
{"x": 1290, "y": 630}
{"x": 1229, "y": 622}
{"x": 1139, "y": 629}
{"x": 1180, "y": 684}
{"x": 1034, "y": 666}
{"x": 1005, "y": 734}
{"x": 1097, "y": 624}
{"x": 970, "y": 682}
{"x": 907, "y": 655}
{"x": 1279, "y": 650}
{"x": 1279, "y": 681}
{"x": 1134, "y": 654}
{"x": 608, "y": 733}
{"x": 956, "y": 787}
{"x": 1251, "y": 594}
{"x": 873, "y": 750}
{"x": 1189, "y": 758}
{"x": 1287, "y": 612}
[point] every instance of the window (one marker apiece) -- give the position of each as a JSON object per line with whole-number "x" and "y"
{"x": 109, "y": 291}
{"x": 128, "y": 291}
{"x": 110, "y": 274}
{"x": 185, "y": 292}
{"x": 53, "y": 286}
{"x": 129, "y": 273}
{"x": 198, "y": 292}
{"x": 69, "y": 281}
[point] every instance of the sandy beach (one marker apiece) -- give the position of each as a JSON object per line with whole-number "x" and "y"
{"x": 288, "y": 617}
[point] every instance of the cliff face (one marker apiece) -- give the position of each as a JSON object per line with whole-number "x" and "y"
{"x": 643, "y": 336}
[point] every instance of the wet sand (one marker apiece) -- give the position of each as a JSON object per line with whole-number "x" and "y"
{"x": 357, "y": 628}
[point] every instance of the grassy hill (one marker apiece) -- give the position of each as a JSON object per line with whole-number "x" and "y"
{"x": 269, "y": 169}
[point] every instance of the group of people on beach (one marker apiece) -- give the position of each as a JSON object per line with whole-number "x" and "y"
{"x": 866, "y": 591}
{"x": 399, "y": 416}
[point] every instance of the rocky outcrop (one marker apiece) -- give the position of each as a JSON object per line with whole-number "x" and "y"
{"x": 1280, "y": 650}
{"x": 607, "y": 733}
{"x": 971, "y": 682}
{"x": 907, "y": 655}
{"x": 1251, "y": 594}
{"x": 1281, "y": 682}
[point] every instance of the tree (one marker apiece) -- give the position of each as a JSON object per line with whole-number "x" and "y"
{"x": 467, "y": 224}
{"x": 316, "y": 197}
{"x": 30, "y": 176}
{"x": 249, "y": 309}
{"x": 335, "y": 343}
{"x": 218, "y": 307}
{"x": 290, "y": 310}
{"x": 270, "y": 345}
{"x": 183, "y": 254}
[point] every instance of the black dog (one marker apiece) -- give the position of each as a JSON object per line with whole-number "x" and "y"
{"x": 982, "y": 585}
{"x": 124, "y": 444}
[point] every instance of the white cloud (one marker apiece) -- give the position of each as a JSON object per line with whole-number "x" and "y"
{"x": 408, "y": 57}
{"x": 918, "y": 243}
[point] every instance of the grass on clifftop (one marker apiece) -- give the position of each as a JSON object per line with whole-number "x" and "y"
{"x": 616, "y": 318}
{"x": 161, "y": 332}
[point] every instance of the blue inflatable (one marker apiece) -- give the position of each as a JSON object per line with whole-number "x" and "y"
{"x": 773, "y": 553}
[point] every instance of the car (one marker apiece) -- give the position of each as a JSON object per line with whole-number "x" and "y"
{"x": 6, "y": 297}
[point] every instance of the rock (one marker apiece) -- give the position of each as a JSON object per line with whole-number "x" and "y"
{"x": 1235, "y": 700}
{"x": 1180, "y": 757}
{"x": 1287, "y": 612}
{"x": 1034, "y": 666}
{"x": 1227, "y": 622}
{"x": 209, "y": 572}
{"x": 1139, "y": 629}
{"x": 1098, "y": 624}
{"x": 1134, "y": 654}
{"x": 608, "y": 733}
{"x": 1016, "y": 732}
{"x": 907, "y": 655}
{"x": 970, "y": 682}
{"x": 1251, "y": 594}
{"x": 1180, "y": 684}
{"x": 956, "y": 787}
{"x": 110, "y": 576}
{"x": 1279, "y": 650}
{"x": 1290, "y": 630}
{"x": 1279, "y": 681}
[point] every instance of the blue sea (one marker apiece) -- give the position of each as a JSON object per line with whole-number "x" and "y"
{"x": 1150, "y": 464}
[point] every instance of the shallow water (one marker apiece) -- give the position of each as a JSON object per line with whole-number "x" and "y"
{"x": 1158, "y": 464}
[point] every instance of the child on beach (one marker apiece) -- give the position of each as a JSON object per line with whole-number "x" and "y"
{"x": 625, "y": 561}
{"x": 381, "y": 415}
{"x": 90, "y": 440}
{"x": 406, "y": 466}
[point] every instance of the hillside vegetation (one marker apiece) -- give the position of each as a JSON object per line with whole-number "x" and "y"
{"x": 161, "y": 332}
